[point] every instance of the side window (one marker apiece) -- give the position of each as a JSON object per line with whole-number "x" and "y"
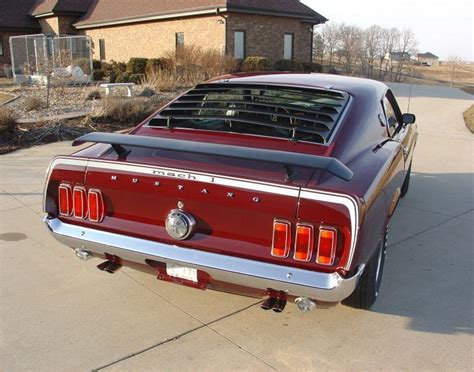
{"x": 288, "y": 46}
{"x": 179, "y": 41}
{"x": 391, "y": 117}
{"x": 239, "y": 44}
{"x": 102, "y": 49}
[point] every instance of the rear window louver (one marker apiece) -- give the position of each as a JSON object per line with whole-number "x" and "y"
{"x": 299, "y": 114}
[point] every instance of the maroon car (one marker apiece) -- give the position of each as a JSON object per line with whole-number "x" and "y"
{"x": 277, "y": 186}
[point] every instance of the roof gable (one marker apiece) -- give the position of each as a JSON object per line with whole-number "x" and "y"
{"x": 43, "y": 7}
{"x": 427, "y": 55}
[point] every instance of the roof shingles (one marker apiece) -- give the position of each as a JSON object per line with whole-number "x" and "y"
{"x": 60, "y": 6}
{"x": 102, "y": 11}
{"x": 14, "y": 15}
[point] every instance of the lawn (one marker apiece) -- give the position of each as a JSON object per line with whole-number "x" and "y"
{"x": 469, "y": 118}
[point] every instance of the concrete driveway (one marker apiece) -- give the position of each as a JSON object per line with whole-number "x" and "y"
{"x": 58, "y": 313}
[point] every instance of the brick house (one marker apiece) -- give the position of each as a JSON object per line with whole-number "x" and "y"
{"x": 14, "y": 21}
{"x": 121, "y": 29}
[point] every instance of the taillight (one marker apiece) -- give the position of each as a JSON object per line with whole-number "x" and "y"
{"x": 303, "y": 243}
{"x": 96, "y": 206}
{"x": 80, "y": 202}
{"x": 326, "y": 246}
{"x": 65, "y": 200}
{"x": 281, "y": 239}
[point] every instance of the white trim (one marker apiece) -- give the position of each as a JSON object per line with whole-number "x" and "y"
{"x": 344, "y": 200}
{"x": 149, "y": 18}
{"x": 334, "y": 198}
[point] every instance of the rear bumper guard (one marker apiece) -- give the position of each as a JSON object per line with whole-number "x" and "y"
{"x": 249, "y": 273}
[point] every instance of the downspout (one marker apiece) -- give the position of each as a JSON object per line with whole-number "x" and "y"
{"x": 219, "y": 13}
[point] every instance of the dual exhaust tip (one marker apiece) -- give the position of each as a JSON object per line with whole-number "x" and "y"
{"x": 277, "y": 304}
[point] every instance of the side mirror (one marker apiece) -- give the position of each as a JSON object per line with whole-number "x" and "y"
{"x": 409, "y": 119}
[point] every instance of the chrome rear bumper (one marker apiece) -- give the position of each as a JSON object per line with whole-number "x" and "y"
{"x": 248, "y": 273}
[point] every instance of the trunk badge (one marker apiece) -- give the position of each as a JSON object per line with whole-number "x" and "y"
{"x": 180, "y": 225}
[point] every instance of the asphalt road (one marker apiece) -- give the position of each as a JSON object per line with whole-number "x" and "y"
{"x": 58, "y": 313}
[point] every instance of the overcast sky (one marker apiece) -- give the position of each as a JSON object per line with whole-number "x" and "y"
{"x": 442, "y": 27}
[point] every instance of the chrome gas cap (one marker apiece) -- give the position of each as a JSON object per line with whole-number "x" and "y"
{"x": 180, "y": 225}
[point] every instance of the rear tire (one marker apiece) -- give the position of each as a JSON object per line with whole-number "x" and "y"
{"x": 367, "y": 289}
{"x": 406, "y": 183}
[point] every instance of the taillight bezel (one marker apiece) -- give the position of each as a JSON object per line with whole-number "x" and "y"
{"x": 310, "y": 249}
{"x": 333, "y": 247}
{"x": 85, "y": 202}
{"x": 100, "y": 205}
{"x": 69, "y": 200}
{"x": 287, "y": 238}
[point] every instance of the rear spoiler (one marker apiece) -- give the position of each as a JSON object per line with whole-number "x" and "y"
{"x": 288, "y": 159}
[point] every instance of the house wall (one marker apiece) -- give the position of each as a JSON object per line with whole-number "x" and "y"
{"x": 61, "y": 25}
{"x": 430, "y": 61}
{"x": 154, "y": 39}
{"x": 265, "y": 34}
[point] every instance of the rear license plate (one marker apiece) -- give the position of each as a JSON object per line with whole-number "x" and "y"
{"x": 180, "y": 272}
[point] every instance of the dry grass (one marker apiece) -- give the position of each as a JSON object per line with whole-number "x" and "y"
{"x": 189, "y": 66}
{"x": 33, "y": 103}
{"x": 469, "y": 118}
{"x": 464, "y": 76}
{"x": 8, "y": 124}
{"x": 4, "y": 97}
{"x": 123, "y": 110}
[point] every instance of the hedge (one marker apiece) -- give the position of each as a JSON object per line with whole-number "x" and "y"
{"x": 251, "y": 64}
{"x": 137, "y": 65}
{"x": 123, "y": 78}
{"x": 136, "y": 78}
{"x": 288, "y": 65}
{"x": 96, "y": 65}
{"x": 311, "y": 67}
{"x": 98, "y": 75}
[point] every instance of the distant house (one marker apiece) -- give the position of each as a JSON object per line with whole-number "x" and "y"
{"x": 400, "y": 56}
{"x": 121, "y": 29}
{"x": 427, "y": 59}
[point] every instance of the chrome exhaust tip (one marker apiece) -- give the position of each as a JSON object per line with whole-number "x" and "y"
{"x": 82, "y": 254}
{"x": 305, "y": 304}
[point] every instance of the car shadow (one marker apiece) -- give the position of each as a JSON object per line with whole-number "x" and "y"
{"x": 428, "y": 91}
{"x": 428, "y": 275}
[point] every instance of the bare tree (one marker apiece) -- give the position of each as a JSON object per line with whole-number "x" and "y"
{"x": 351, "y": 45}
{"x": 454, "y": 64}
{"x": 390, "y": 38}
{"x": 373, "y": 37}
{"x": 330, "y": 38}
{"x": 318, "y": 47}
{"x": 406, "y": 48}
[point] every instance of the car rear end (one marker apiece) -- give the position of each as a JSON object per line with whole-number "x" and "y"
{"x": 211, "y": 193}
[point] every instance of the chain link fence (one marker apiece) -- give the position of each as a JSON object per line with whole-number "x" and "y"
{"x": 61, "y": 59}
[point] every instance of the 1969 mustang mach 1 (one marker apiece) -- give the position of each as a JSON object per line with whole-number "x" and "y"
{"x": 276, "y": 186}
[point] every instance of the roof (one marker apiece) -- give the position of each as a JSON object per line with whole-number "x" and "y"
{"x": 354, "y": 86}
{"x": 14, "y": 15}
{"x": 44, "y": 7}
{"x": 427, "y": 55}
{"x": 105, "y": 12}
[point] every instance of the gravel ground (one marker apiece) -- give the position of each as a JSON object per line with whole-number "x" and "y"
{"x": 61, "y": 101}
{"x": 67, "y": 99}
